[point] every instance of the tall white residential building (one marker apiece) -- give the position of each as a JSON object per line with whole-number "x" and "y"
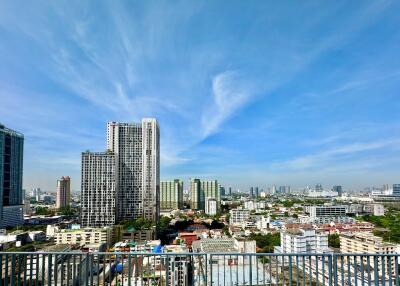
{"x": 171, "y": 195}
{"x": 238, "y": 216}
{"x": 137, "y": 150}
{"x": 200, "y": 190}
{"x": 98, "y": 189}
{"x": 63, "y": 198}
{"x": 303, "y": 241}
{"x": 211, "y": 206}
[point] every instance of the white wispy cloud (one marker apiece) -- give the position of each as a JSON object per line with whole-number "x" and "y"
{"x": 231, "y": 91}
{"x": 336, "y": 156}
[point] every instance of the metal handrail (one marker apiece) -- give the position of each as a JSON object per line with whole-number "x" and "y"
{"x": 203, "y": 269}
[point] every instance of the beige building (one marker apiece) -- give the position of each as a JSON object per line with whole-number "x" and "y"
{"x": 63, "y": 192}
{"x": 83, "y": 236}
{"x": 201, "y": 190}
{"x": 171, "y": 195}
{"x": 366, "y": 242}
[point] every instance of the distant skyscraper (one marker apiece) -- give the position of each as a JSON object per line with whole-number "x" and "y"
{"x": 196, "y": 195}
{"x": 35, "y": 192}
{"x": 11, "y": 164}
{"x": 98, "y": 193}
{"x": 273, "y": 191}
{"x": 251, "y": 192}
{"x": 230, "y": 191}
{"x": 256, "y": 194}
{"x": 135, "y": 149}
{"x": 200, "y": 190}
{"x": 63, "y": 192}
{"x": 338, "y": 189}
{"x": 222, "y": 191}
{"x": 171, "y": 194}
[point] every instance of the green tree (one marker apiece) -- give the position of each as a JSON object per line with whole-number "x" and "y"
{"x": 266, "y": 242}
{"x": 334, "y": 240}
{"x": 43, "y": 211}
{"x": 164, "y": 223}
{"x": 67, "y": 211}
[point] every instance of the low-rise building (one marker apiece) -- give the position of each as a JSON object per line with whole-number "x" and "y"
{"x": 305, "y": 240}
{"x": 84, "y": 236}
{"x": 328, "y": 213}
{"x": 37, "y": 235}
{"x": 226, "y": 245}
{"x": 363, "y": 242}
{"x": 238, "y": 216}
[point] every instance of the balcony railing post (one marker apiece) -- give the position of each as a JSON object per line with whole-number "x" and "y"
{"x": 250, "y": 270}
{"x": 49, "y": 268}
{"x": 1, "y": 269}
{"x": 129, "y": 270}
{"x": 376, "y": 273}
{"x": 335, "y": 272}
{"x": 211, "y": 269}
{"x": 87, "y": 269}
{"x": 330, "y": 270}
{"x": 12, "y": 269}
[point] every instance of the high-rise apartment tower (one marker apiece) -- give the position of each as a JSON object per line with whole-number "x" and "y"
{"x": 134, "y": 149}
{"x": 11, "y": 163}
{"x": 63, "y": 192}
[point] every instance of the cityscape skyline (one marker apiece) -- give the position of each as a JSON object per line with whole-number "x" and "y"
{"x": 248, "y": 99}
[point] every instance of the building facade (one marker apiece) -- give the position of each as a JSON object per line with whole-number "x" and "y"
{"x": 63, "y": 192}
{"x": 211, "y": 206}
{"x": 125, "y": 180}
{"x": 238, "y": 216}
{"x": 200, "y": 190}
{"x": 171, "y": 195}
{"x": 137, "y": 149}
{"x": 98, "y": 189}
{"x": 327, "y": 213}
{"x": 396, "y": 190}
{"x": 303, "y": 241}
{"x": 364, "y": 242}
{"x": 84, "y": 236}
{"x": 11, "y": 171}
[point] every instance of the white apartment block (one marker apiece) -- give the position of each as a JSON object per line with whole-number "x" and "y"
{"x": 254, "y": 205}
{"x": 98, "y": 189}
{"x": 123, "y": 183}
{"x": 378, "y": 209}
{"x": 303, "y": 241}
{"x": 171, "y": 195}
{"x": 84, "y": 236}
{"x": 211, "y": 206}
{"x": 328, "y": 213}
{"x": 238, "y": 216}
{"x": 137, "y": 148}
{"x": 263, "y": 223}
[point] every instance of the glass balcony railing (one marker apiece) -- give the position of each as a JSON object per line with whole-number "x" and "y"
{"x": 131, "y": 269}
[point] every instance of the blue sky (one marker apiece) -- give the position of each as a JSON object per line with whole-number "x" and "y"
{"x": 250, "y": 93}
